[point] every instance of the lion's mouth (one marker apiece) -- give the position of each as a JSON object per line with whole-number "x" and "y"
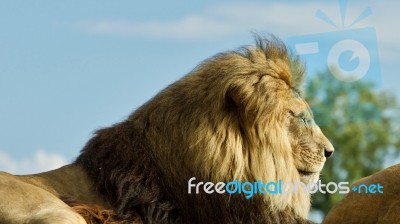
{"x": 306, "y": 173}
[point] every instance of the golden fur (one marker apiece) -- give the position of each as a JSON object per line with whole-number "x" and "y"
{"x": 238, "y": 115}
{"x": 370, "y": 208}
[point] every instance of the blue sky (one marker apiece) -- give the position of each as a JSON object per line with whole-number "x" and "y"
{"x": 68, "y": 68}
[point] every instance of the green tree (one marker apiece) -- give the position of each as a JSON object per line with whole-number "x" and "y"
{"x": 360, "y": 122}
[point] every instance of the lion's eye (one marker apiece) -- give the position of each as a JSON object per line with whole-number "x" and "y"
{"x": 303, "y": 118}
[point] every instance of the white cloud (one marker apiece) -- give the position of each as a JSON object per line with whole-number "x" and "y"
{"x": 40, "y": 161}
{"x": 229, "y": 19}
{"x": 282, "y": 19}
{"x": 190, "y": 27}
{"x": 216, "y": 22}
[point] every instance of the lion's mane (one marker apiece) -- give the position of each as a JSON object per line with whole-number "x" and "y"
{"x": 221, "y": 122}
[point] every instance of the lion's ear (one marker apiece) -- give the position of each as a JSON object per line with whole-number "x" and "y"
{"x": 231, "y": 99}
{"x": 244, "y": 101}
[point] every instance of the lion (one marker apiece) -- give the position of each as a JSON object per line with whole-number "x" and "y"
{"x": 239, "y": 115}
{"x": 371, "y": 208}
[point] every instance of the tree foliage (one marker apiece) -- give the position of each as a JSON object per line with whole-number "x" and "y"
{"x": 360, "y": 122}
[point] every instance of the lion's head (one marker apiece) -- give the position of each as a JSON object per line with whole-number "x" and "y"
{"x": 309, "y": 146}
{"x": 238, "y": 115}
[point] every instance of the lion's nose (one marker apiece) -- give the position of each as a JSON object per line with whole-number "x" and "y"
{"x": 328, "y": 151}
